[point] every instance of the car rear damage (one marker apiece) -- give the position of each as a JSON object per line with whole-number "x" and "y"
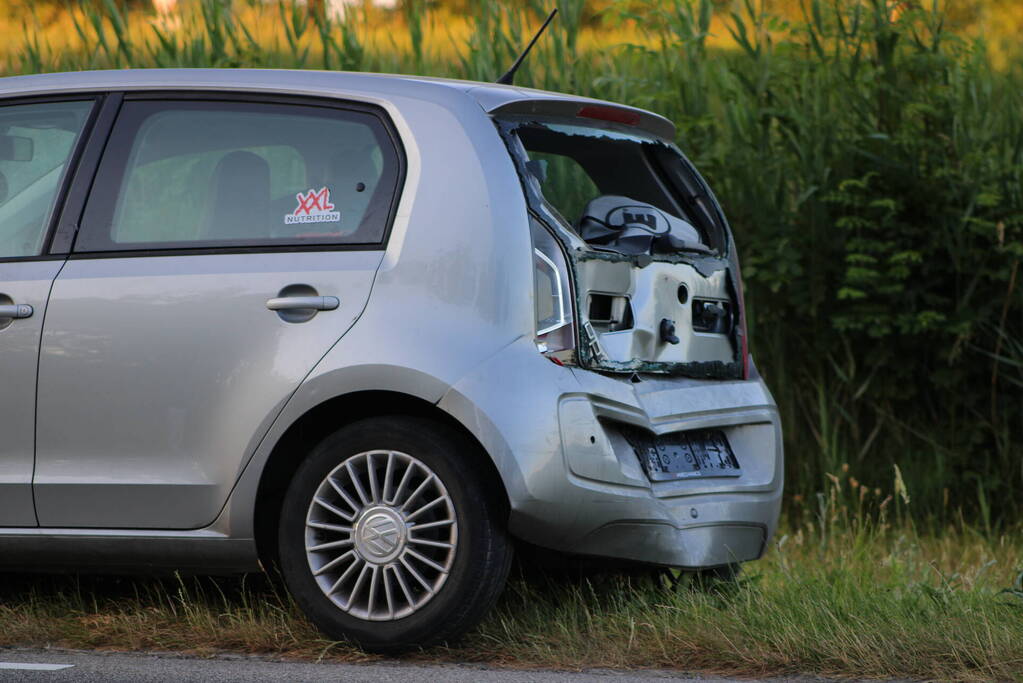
{"x": 650, "y": 437}
{"x": 658, "y": 291}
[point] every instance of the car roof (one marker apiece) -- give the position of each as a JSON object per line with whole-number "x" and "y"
{"x": 492, "y": 97}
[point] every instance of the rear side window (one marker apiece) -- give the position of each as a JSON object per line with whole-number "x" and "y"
{"x": 203, "y": 174}
{"x": 36, "y": 144}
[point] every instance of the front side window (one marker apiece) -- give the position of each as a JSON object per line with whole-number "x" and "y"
{"x": 36, "y": 144}
{"x": 208, "y": 174}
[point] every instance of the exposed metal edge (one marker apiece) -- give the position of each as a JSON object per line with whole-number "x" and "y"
{"x": 665, "y": 424}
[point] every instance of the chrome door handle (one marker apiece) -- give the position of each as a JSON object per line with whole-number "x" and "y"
{"x": 16, "y": 311}
{"x": 293, "y": 303}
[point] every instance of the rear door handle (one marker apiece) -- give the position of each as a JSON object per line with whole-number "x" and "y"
{"x": 304, "y": 303}
{"x": 18, "y": 311}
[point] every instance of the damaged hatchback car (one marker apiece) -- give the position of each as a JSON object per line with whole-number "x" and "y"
{"x": 372, "y": 332}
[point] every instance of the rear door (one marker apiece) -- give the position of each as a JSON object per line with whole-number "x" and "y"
{"x": 226, "y": 245}
{"x": 38, "y": 142}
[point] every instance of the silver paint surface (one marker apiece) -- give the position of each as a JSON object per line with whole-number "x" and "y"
{"x": 22, "y": 283}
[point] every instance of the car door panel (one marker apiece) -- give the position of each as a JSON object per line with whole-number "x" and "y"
{"x": 24, "y": 283}
{"x": 159, "y": 375}
{"x": 39, "y": 140}
{"x": 172, "y": 338}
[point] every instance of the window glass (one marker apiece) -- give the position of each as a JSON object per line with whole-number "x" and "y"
{"x": 36, "y": 142}
{"x": 565, "y": 183}
{"x": 595, "y": 176}
{"x": 209, "y": 174}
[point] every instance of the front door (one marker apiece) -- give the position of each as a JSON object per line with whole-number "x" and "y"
{"x": 37, "y": 141}
{"x": 225, "y": 246}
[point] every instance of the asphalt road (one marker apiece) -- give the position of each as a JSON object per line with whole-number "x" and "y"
{"x": 43, "y": 666}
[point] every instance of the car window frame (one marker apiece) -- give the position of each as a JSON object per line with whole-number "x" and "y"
{"x": 326, "y": 102}
{"x": 71, "y": 169}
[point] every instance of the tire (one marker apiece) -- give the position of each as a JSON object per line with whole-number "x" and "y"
{"x": 389, "y": 599}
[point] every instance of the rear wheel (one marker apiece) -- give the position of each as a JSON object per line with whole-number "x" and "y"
{"x": 390, "y": 537}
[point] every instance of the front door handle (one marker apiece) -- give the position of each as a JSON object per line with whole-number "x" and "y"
{"x": 16, "y": 311}
{"x": 303, "y": 303}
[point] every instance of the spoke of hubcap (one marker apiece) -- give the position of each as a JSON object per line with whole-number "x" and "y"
{"x": 330, "y": 527}
{"x": 400, "y": 576}
{"x": 333, "y": 563}
{"x": 374, "y": 581}
{"x": 356, "y": 483}
{"x": 327, "y": 506}
{"x": 430, "y": 525}
{"x": 404, "y": 482}
{"x": 388, "y": 476}
{"x": 344, "y": 496}
{"x": 433, "y": 544}
{"x": 344, "y": 575}
{"x": 425, "y": 560}
{"x": 417, "y": 576}
{"x": 358, "y": 584}
{"x": 327, "y": 546}
{"x": 387, "y": 593}
{"x": 419, "y": 489}
{"x": 371, "y": 473}
{"x": 426, "y": 507}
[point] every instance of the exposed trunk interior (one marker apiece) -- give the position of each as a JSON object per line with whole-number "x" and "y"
{"x": 648, "y": 246}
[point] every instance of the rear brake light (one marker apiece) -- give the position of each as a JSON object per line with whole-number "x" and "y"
{"x": 613, "y": 114}
{"x": 555, "y": 331}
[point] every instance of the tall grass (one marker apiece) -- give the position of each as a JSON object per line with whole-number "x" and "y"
{"x": 870, "y": 160}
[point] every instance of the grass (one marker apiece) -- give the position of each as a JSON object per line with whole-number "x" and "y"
{"x": 849, "y": 588}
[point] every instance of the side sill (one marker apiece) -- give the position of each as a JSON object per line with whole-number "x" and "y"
{"x": 119, "y": 551}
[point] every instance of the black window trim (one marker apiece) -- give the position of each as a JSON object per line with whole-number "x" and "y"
{"x": 325, "y": 102}
{"x": 74, "y": 163}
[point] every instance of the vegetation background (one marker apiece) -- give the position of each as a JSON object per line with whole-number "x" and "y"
{"x": 869, "y": 154}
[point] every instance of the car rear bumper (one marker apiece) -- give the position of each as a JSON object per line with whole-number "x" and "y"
{"x": 575, "y": 484}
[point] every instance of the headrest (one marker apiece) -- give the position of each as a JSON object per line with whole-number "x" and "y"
{"x": 623, "y": 225}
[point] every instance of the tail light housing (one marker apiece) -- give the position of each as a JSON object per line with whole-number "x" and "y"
{"x": 552, "y": 296}
{"x": 743, "y": 328}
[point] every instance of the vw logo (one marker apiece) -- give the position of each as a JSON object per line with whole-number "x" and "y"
{"x": 379, "y": 535}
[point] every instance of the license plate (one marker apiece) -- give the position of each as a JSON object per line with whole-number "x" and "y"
{"x": 684, "y": 455}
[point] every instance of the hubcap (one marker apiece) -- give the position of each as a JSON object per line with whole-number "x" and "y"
{"x": 381, "y": 535}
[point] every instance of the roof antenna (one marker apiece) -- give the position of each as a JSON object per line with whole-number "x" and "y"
{"x": 509, "y": 77}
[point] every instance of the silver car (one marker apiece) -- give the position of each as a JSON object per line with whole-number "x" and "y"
{"x": 370, "y": 330}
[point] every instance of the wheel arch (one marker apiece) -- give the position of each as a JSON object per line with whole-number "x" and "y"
{"x": 324, "y": 419}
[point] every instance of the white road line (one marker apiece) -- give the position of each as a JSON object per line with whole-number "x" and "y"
{"x": 30, "y": 666}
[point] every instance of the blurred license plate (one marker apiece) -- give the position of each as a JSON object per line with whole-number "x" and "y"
{"x": 685, "y": 455}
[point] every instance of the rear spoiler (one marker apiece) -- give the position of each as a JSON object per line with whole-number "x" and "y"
{"x": 589, "y": 109}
